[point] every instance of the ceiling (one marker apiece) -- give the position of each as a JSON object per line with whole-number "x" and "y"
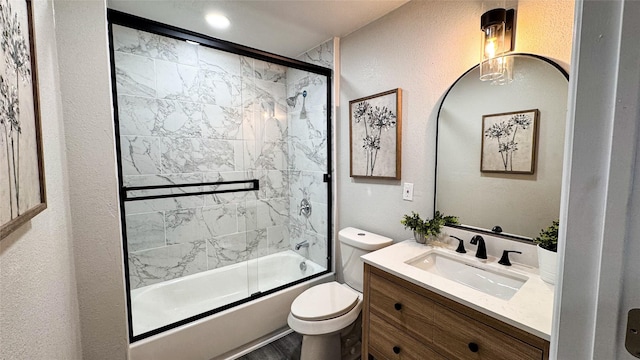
{"x": 287, "y": 28}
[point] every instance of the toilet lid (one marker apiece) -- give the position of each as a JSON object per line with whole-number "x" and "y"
{"x": 324, "y": 301}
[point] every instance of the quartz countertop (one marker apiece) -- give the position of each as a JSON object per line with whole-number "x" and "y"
{"x": 530, "y": 309}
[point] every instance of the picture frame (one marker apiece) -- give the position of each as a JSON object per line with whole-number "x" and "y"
{"x": 22, "y": 180}
{"x": 375, "y": 136}
{"x": 509, "y": 142}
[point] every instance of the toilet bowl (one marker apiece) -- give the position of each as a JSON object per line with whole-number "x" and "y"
{"x": 326, "y": 314}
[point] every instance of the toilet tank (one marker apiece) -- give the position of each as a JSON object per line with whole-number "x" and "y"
{"x": 353, "y": 244}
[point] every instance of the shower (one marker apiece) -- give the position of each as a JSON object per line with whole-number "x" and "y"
{"x": 209, "y": 151}
{"x": 293, "y": 100}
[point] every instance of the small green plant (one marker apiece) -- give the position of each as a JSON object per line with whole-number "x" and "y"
{"x": 413, "y": 222}
{"x": 428, "y": 227}
{"x": 548, "y": 238}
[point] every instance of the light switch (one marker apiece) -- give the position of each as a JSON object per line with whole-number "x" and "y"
{"x": 407, "y": 192}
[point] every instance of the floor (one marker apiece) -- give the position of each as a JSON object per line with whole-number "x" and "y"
{"x": 285, "y": 348}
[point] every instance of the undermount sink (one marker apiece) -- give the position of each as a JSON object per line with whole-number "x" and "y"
{"x": 473, "y": 275}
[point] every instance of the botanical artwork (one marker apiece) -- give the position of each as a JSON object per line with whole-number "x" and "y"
{"x": 21, "y": 177}
{"x": 509, "y": 142}
{"x": 375, "y": 128}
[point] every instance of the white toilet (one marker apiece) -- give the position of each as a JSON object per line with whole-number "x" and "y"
{"x": 326, "y": 314}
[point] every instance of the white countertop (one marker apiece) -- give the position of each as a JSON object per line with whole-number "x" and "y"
{"x": 530, "y": 309}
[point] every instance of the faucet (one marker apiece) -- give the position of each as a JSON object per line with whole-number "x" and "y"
{"x": 481, "y": 253}
{"x": 302, "y": 244}
{"x": 504, "y": 260}
{"x": 460, "y": 248}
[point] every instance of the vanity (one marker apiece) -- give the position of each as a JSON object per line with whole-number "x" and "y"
{"x": 414, "y": 309}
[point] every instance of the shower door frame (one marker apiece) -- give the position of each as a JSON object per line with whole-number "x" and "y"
{"x": 134, "y": 22}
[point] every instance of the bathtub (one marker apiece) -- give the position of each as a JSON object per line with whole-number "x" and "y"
{"x": 164, "y": 303}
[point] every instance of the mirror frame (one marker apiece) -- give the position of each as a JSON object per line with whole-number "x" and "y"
{"x": 514, "y": 237}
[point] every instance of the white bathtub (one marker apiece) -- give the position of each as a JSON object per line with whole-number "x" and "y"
{"x": 164, "y": 303}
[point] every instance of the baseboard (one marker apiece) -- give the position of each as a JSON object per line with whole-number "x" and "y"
{"x": 243, "y": 350}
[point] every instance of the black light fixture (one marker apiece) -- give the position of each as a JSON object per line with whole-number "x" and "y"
{"x": 498, "y": 37}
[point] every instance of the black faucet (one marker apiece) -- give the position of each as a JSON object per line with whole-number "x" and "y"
{"x": 481, "y": 253}
{"x": 460, "y": 248}
{"x": 504, "y": 260}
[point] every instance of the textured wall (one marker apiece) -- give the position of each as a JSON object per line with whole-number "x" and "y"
{"x": 38, "y": 305}
{"x": 422, "y": 47}
{"x": 85, "y": 85}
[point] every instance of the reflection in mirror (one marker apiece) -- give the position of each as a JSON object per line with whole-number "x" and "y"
{"x": 520, "y": 204}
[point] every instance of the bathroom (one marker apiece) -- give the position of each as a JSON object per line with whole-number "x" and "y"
{"x": 64, "y": 269}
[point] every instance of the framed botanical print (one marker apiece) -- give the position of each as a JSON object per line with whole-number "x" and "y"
{"x": 375, "y": 128}
{"x": 509, "y": 142}
{"x": 22, "y": 185}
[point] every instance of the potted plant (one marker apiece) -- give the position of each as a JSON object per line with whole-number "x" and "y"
{"x": 428, "y": 229}
{"x": 414, "y": 223}
{"x": 548, "y": 252}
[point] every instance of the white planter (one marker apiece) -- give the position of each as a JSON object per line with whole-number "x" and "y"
{"x": 547, "y": 262}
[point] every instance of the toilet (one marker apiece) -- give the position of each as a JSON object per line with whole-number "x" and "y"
{"x": 328, "y": 315}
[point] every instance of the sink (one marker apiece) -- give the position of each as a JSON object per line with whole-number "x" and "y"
{"x": 473, "y": 274}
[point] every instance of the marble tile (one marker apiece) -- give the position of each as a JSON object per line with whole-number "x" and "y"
{"x": 272, "y": 156}
{"x": 183, "y": 155}
{"x": 311, "y": 126}
{"x": 218, "y": 61}
{"x": 174, "y": 203}
{"x": 272, "y": 212}
{"x": 247, "y": 216}
{"x": 318, "y": 219}
{"x": 309, "y": 155}
{"x": 135, "y": 75}
{"x": 226, "y": 250}
{"x": 140, "y": 155}
{"x": 316, "y": 87}
{"x": 220, "y": 122}
{"x": 321, "y": 55}
{"x": 252, "y": 125}
{"x": 318, "y": 249}
{"x": 184, "y": 226}
{"x": 278, "y": 238}
{"x": 219, "y": 89}
{"x": 220, "y": 220}
{"x": 178, "y": 119}
{"x": 137, "y": 115}
{"x": 145, "y": 231}
{"x": 132, "y": 41}
{"x": 176, "y": 81}
{"x": 177, "y": 51}
{"x": 233, "y": 197}
{"x": 169, "y": 262}
{"x": 308, "y": 184}
{"x": 269, "y": 72}
{"x": 247, "y": 67}
{"x": 257, "y": 243}
{"x": 276, "y": 183}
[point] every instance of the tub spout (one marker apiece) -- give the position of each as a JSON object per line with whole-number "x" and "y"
{"x": 302, "y": 244}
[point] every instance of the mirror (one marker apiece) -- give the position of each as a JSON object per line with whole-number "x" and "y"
{"x": 520, "y": 203}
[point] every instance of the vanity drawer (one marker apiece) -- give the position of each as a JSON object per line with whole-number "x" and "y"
{"x": 386, "y": 342}
{"x": 458, "y": 336}
{"x": 402, "y": 308}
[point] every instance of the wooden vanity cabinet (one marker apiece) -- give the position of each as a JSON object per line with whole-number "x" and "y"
{"x": 404, "y": 321}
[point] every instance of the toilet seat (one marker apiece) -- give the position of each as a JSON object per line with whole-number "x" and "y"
{"x": 327, "y": 326}
{"x": 324, "y": 301}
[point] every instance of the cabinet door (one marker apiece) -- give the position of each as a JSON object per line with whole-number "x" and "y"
{"x": 404, "y": 309}
{"x": 386, "y": 342}
{"x": 464, "y": 338}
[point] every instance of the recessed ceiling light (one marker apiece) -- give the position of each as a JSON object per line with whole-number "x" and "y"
{"x": 218, "y": 21}
{"x": 192, "y": 42}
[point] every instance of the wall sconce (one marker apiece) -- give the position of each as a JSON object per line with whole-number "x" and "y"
{"x": 498, "y": 36}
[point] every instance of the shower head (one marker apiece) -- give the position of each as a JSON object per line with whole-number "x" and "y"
{"x": 293, "y": 100}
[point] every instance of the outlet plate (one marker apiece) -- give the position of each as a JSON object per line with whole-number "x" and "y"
{"x": 407, "y": 192}
{"x": 632, "y": 340}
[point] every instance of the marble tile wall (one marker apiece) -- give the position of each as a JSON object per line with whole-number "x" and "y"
{"x": 308, "y": 154}
{"x": 191, "y": 114}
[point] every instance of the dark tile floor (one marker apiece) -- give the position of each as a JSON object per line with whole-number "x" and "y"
{"x": 285, "y": 348}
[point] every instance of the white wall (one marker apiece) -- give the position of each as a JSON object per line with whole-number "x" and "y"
{"x": 599, "y": 281}
{"x": 38, "y": 304}
{"x": 81, "y": 31}
{"x": 423, "y": 47}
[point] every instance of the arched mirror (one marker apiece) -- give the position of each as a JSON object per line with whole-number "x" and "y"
{"x": 500, "y": 149}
